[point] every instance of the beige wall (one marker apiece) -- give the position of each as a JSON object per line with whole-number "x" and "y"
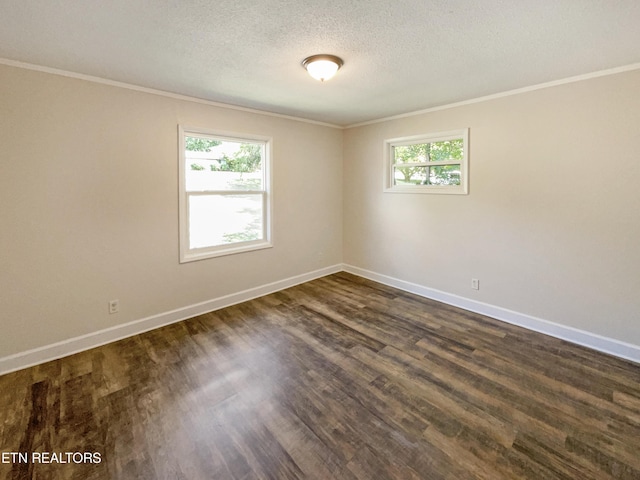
{"x": 89, "y": 206}
{"x": 551, "y": 226}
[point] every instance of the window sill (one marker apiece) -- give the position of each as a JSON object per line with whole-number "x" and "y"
{"x": 203, "y": 254}
{"x": 430, "y": 190}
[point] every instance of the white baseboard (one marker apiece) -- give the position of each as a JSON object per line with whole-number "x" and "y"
{"x": 611, "y": 346}
{"x": 47, "y": 353}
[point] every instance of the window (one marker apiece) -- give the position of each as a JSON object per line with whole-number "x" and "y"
{"x": 224, "y": 193}
{"x": 432, "y": 163}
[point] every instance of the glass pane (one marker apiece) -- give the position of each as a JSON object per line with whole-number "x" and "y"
{"x": 224, "y": 219}
{"x": 444, "y": 175}
{"x": 429, "y": 152}
{"x": 440, "y": 175}
{"x": 222, "y": 164}
{"x": 446, "y": 150}
{"x": 409, "y": 175}
{"x": 411, "y": 153}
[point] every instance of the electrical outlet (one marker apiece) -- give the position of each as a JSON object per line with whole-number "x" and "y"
{"x": 114, "y": 306}
{"x": 475, "y": 284}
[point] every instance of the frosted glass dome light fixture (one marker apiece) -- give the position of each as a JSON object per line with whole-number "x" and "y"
{"x": 322, "y": 67}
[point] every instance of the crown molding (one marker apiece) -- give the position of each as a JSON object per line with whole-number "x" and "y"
{"x": 153, "y": 91}
{"x": 177, "y": 96}
{"x": 508, "y": 93}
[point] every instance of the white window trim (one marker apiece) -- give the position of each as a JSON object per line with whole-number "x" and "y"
{"x": 389, "y": 144}
{"x": 193, "y": 254}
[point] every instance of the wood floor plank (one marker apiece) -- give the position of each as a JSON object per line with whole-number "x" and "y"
{"x": 337, "y": 378}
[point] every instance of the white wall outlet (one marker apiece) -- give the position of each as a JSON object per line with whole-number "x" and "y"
{"x": 475, "y": 284}
{"x": 114, "y": 306}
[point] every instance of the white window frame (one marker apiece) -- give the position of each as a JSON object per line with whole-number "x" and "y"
{"x": 188, "y": 254}
{"x": 389, "y": 170}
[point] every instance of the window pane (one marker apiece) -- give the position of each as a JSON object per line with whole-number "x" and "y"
{"x": 406, "y": 175}
{"x": 444, "y": 175}
{"x": 411, "y": 153}
{"x": 446, "y": 150}
{"x": 222, "y": 164}
{"x": 429, "y": 152}
{"x": 224, "y": 219}
{"x": 440, "y": 175}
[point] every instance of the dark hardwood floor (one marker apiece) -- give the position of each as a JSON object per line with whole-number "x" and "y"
{"x": 336, "y": 378}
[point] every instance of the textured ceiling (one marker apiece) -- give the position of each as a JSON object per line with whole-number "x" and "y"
{"x": 400, "y": 56}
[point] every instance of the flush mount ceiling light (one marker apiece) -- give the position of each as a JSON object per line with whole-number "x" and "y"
{"x": 322, "y": 67}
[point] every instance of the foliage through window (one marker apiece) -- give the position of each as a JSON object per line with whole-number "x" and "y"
{"x": 224, "y": 197}
{"x": 431, "y": 163}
